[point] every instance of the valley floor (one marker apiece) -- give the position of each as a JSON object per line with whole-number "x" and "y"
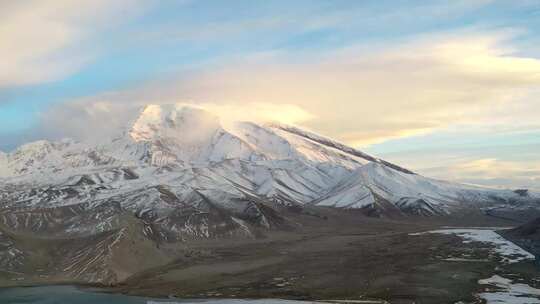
{"x": 346, "y": 256}
{"x": 359, "y": 259}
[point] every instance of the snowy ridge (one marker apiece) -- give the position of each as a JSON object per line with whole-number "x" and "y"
{"x": 190, "y": 153}
{"x": 334, "y": 144}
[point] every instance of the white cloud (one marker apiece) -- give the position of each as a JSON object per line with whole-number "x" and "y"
{"x": 45, "y": 40}
{"x": 367, "y": 94}
{"x": 98, "y": 118}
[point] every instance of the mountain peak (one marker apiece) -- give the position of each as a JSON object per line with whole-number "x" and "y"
{"x": 173, "y": 121}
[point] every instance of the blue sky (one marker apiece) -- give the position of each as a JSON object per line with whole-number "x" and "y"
{"x": 448, "y": 88}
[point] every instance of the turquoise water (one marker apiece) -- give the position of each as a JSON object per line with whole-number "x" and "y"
{"x": 73, "y": 295}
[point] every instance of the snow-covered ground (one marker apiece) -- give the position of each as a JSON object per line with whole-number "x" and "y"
{"x": 508, "y": 251}
{"x": 508, "y": 292}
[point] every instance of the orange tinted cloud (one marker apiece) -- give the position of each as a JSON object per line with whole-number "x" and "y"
{"x": 366, "y": 94}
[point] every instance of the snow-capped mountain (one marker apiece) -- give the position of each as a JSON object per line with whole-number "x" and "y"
{"x": 176, "y": 173}
{"x": 187, "y": 149}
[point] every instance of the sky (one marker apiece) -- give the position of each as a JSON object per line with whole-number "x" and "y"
{"x": 449, "y": 89}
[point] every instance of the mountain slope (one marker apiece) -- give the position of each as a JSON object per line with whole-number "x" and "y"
{"x": 189, "y": 150}
{"x": 175, "y": 174}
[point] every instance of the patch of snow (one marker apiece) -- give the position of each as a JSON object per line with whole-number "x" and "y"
{"x": 510, "y": 252}
{"x": 508, "y": 292}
